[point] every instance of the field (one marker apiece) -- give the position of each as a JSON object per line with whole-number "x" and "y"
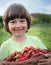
{"x": 43, "y": 31}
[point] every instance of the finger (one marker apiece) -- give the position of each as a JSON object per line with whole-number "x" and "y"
{"x": 43, "y": 60}
{"x": 47, "y": 55}
{"x": 43, "y": 63}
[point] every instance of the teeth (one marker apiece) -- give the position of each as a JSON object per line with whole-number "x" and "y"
{"x": 19, "y": 29}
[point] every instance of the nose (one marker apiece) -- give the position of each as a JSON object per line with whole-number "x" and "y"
{"x": 18, "y": 24}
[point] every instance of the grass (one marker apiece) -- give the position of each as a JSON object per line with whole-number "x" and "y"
{"x": 3, "y": 35}
{"x": 43, "y": 31}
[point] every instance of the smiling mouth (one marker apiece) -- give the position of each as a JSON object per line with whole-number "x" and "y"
{"x": 18, "y": 29}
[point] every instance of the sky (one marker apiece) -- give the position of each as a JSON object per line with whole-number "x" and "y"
{"x": 33, "y": 6}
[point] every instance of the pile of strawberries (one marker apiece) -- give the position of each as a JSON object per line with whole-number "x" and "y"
{"x": 27, "y": 53}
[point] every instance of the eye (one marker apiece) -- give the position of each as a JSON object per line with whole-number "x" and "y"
{"x": 12, "y": 22}
{"x": 22, "y": 21}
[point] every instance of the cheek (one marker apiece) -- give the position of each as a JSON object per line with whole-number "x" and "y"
{"x": 26, "y": 27}
{"x": 10, "y": 27}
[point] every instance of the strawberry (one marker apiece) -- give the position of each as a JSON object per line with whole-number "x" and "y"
{"x": 35, "y": 55}
{"x": 44, "y": 51}
{"x": 26, "y": 55}
{"x": 40, "y": 50}
{"x": 32, "y": 48}
{"x": 26, "y": 49}
{"x": 13, "y": 59}
{"x": 40, "y": 53}
{"x": 8, "y": 59}
{"x": 21, "y": 59}
{"x": 15, "y": 53}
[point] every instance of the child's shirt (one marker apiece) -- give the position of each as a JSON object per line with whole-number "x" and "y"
{"x": 9, "y": 46}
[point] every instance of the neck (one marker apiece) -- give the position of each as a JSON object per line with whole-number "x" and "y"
{"x": 19, "y": 39}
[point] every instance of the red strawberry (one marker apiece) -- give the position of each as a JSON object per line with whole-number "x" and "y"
{"x": 31, "y": 47}
{"x": 21, "y": 59}
{"x": 40, "y": 50}
{"x": 32, "y": 53}
{"x": 13, "y": 59}
{"x": 44, "y": 51}
{"x": 9, "y": 59}
{"x": 15, "y": 53}
{"x": 26, "y": 55}
{"x": 26, "y": 49}
{"x": 35, "y": 55}
{"x": 19, "y": 56}
{"x": 40, "y": 53}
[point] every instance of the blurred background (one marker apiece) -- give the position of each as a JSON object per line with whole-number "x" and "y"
{"x": 40, "y": 11}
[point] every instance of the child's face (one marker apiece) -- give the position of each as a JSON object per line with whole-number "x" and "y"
{"x": 17, "y": 26}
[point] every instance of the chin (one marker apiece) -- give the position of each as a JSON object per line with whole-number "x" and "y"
{"x": 18, "y": 35}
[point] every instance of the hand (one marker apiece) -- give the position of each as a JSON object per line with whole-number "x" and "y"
{"x": 47, "y": 55}
{"x": 46, "y": 61}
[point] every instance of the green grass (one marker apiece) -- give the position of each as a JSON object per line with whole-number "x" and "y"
{"x": 3, "y": 35}
{"x": 43, "y": 31}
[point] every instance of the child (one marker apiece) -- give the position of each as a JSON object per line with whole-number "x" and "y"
{"x": 17, "y": 21}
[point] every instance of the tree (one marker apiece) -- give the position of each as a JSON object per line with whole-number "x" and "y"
{"x": 1, "y": 24}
